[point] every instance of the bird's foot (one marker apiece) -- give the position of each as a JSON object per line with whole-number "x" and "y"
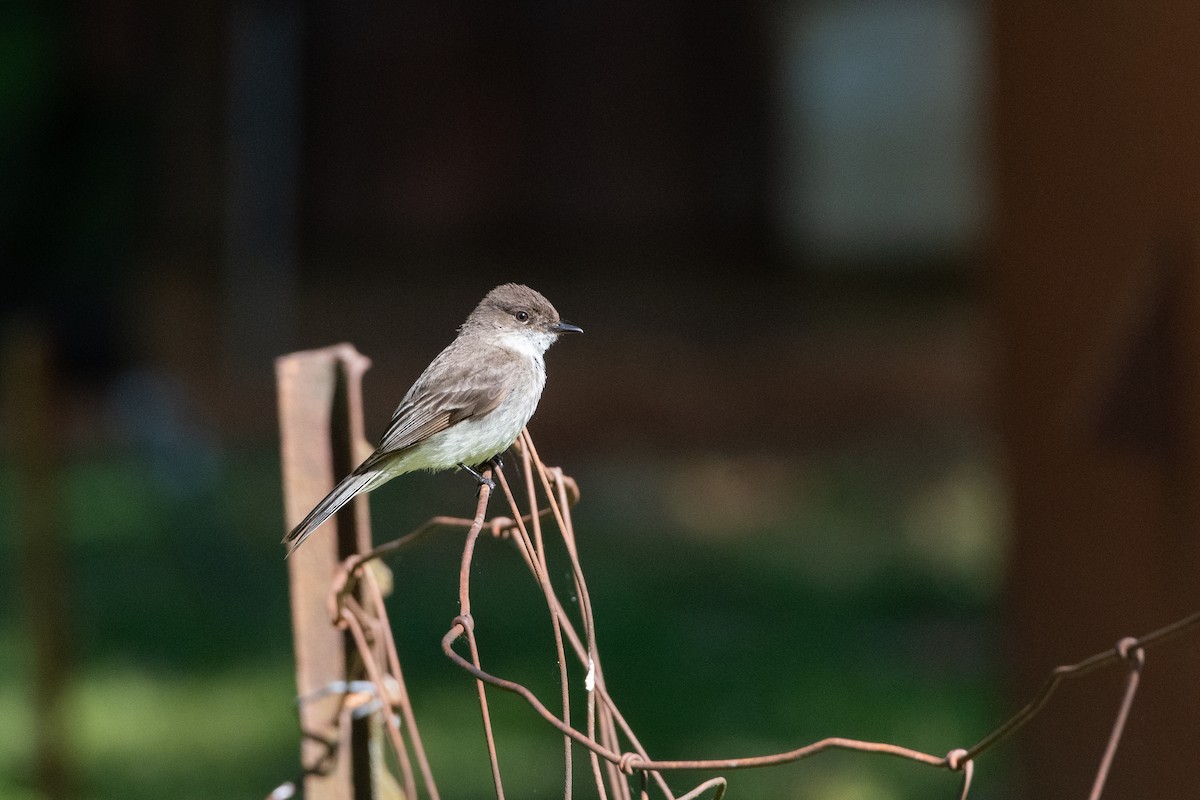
{"x": 480, "y": 479}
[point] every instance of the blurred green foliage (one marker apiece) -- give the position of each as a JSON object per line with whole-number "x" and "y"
{"x": 743, "y": 607}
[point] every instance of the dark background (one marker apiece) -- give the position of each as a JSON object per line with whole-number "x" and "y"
{"x": 851, "y": 274}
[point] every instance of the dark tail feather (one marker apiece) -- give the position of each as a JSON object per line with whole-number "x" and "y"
{"x": 343, "y": 493}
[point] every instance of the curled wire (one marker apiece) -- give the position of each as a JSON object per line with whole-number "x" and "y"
{"x": 616, "y": 756}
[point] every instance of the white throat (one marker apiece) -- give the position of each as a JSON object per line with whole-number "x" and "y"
{"x": 531, "y": 344}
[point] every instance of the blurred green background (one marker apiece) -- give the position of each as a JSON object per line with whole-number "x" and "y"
{"x": 769, "y": 220}
{"x": 849, "y": 595}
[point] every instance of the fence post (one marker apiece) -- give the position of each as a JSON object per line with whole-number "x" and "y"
{"x": 321, "y": 439}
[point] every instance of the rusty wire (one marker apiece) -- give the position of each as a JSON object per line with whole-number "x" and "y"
{"x": 615, "y": 755}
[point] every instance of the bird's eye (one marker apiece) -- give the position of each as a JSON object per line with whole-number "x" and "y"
{"x": 523, "y": 316}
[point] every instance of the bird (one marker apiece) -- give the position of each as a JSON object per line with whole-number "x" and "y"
{"x": 467, "y": 407}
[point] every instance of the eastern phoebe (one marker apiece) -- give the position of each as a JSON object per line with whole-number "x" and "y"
{"x": 468, "y": 406}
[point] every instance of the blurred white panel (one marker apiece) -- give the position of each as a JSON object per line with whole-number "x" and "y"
{"x": 880, "y": 126}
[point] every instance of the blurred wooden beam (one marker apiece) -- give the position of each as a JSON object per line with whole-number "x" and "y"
{"x": 1097, "y": 279}
{"x": 31, "y": 398}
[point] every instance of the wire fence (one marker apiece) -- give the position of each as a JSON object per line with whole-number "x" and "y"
{"x": 619, "y": 765}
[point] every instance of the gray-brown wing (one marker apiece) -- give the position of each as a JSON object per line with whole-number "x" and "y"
{"x": 426, "y": 411}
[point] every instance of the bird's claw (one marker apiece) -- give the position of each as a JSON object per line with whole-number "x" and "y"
{"x": 482, "y": 480}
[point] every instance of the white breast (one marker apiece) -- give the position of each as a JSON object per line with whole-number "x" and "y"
{"x": 475, "y": 440}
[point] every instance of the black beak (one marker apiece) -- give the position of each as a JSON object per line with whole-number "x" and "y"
{"x": 565, "y": 327}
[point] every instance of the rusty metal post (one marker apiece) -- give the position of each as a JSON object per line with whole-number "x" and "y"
{"x": 321, "y": 439}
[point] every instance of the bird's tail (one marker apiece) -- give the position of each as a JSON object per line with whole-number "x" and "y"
{"x": 351, "y": 486}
